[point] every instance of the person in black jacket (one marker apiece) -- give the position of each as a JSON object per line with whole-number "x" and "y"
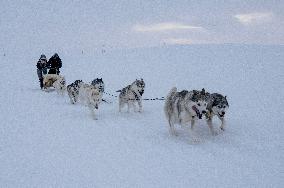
{"x": 41, "y": 69}
{"x": 54, "y": 64}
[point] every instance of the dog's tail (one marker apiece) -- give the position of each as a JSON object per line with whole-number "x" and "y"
{"x": 168, "y": 108}
{"x": 171, "y": 93}
{"x": 119, "y": 90}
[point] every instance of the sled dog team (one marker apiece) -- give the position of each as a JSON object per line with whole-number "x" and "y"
{"x": 91, "y": 94}
{"x": 181, "y": 107}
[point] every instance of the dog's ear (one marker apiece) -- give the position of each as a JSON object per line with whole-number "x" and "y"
{"x": 226, "y": 100}
{"x": 203, "y": 91}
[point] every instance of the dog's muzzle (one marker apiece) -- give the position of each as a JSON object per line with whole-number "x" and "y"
{"x": 222, "y": 114}
{"x": 199, "y": 116}
{"x": 101, "y": 89}
{"x": 141, "y": 92}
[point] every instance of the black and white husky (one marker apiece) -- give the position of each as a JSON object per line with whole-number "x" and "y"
{"x": 217, "y": 106}
{"x": 99, "y": 84}
{"x": 184, "y": 106}
{"x": 73, "y": 91}
{"x": 131, "y": 95}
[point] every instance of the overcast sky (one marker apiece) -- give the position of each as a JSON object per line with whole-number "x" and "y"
{"x": 135, "y": 23}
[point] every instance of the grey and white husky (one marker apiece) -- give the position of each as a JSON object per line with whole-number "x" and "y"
{"x": 217, "y": 106}
{"x": 98, "y": 83}
{"x": 132, "y": 94}
{"x": 184, "y": 106}
{"x": 93, "y": 97}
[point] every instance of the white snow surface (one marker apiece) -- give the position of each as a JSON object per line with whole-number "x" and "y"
{"x": 47, "y": 142}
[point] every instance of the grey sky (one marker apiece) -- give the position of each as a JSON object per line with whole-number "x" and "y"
{"x": 133, "y": 23}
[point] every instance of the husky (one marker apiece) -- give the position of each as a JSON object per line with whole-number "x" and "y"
{"x": 217, "y": 106}
{"x": 83, "y": 91}
{"x": 132, "y": 94}
{"x": 184, "y": 106}
{"x": 49, "y": 79}
{"x": 94, "y": 98}
{"x": 73, "y": 91}
{"x": 98, "y": 83}
{"x": 60, "y": 85}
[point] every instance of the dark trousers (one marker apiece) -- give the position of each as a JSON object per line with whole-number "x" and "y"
{"x": 53, "y": 71}
{"x": 40, "y": 74}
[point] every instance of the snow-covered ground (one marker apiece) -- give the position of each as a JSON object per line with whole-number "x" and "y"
{"x": 47, "y": 142}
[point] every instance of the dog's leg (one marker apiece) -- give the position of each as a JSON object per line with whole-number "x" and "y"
{"x": 191, "y": 132}
{"x": 128, "y": 105}
{"x": 94, "y": 114}
{"x": 76, "y": 98}
{"x": 192, "y": 124}
{"x": 172, "y": 126}
{"x": 57, "y": 88}
{"x": 120, "y": 105}
{"x": 172, "y": 129}
{"x": 133, "y": 104}
{"x": 210, "y": 125}
{"x": 71, "y": 98}
{"x": 140, "y": 105}
{"x": 44, "y": 85}
{"x": 92, "y": 110}
{"x": 62, "y": 90}
{"x": 223, "y": 124}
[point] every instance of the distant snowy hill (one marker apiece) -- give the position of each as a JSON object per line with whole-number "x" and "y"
{"x": 47, "y": 142}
